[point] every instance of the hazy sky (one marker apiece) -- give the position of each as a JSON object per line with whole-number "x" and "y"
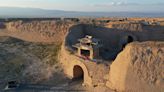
{"x": 89, "y": 5}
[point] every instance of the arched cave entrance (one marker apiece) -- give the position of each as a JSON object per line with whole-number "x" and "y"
{"x": 128, "y": 39}
{"x": 78, "y": 73}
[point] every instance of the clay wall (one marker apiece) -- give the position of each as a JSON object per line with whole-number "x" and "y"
{"x": 138, "y": 68}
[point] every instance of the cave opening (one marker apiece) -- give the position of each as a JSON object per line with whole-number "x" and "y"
{"x": 129, "y": 39}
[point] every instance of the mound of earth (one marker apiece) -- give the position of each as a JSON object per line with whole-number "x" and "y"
{"x": 139, "y": 68}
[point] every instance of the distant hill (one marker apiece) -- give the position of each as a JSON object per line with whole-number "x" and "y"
{"x": 15, "y": 12}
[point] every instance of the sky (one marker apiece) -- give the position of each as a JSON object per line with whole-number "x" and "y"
{"x": 89, "y": 5}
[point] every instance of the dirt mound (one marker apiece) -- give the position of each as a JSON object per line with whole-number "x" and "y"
{"x": 139, "y": 68}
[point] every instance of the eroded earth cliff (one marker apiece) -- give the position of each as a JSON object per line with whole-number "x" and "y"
{"x": 138, "y": 68}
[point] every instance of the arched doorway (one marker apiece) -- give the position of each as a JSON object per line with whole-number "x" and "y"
{"x": 78, "y": 73}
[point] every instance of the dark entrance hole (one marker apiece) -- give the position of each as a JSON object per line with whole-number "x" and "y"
{"x": 129, "y": 39}
{"x": 85, "y": 53}
{"x": 78, "y": 73}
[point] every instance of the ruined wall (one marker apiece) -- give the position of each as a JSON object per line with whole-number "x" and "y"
{"x": 55, "y": 31}
{"x": 138, "y": 68}
{"x": 39, "y": 31}
{"x": 137, "y": 25}
{"x": 126, "y": 26}
{"x": 68, "y": 62}
{"x": 94, "y": 73}
{"x": 112, "y": 39}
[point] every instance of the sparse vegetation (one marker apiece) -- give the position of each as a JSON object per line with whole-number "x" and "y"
{"x": 17, "y": 57}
